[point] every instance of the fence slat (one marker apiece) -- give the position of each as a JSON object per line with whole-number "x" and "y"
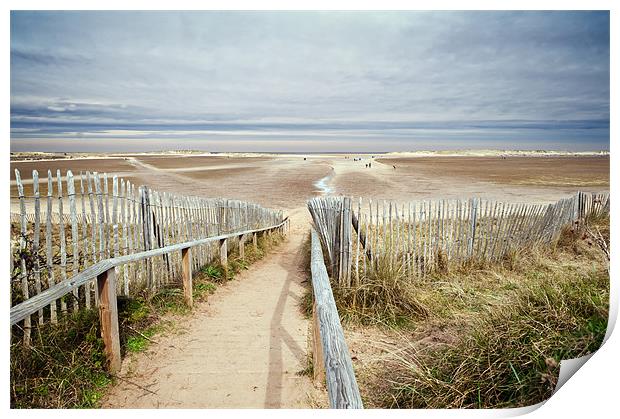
{"x": 22, "y": 248}
{"x": 85, "y": 249}
{"x": 63, "y": 243}
{"x": 36, "y": 238}
{"x": 74, "y": 235}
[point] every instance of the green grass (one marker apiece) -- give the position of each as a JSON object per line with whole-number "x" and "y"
{"x": 140, "y": 341}
{"x": 62, "y": 368}
{"x": 213, "y": 272}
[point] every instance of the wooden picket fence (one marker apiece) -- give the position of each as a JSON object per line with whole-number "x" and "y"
{"x": 107, "y": 218}
{"x": 422, "y": 237}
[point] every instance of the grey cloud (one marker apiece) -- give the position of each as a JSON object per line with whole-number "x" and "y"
{"x": 355, "y": 67}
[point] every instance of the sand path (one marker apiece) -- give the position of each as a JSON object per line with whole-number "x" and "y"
{"x": 243, "y": 348}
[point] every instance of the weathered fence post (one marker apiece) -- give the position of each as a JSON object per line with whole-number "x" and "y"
{"x": 345, "y": 243}
{"x": 224, "y": 254}
{"x": 255, "y": 241}
{"x": 108, "y": 316}
{"x": 242, "y": 246}
{"x": 147, "y": 232}
{"x": 22, "y": 249}
{"x": 470, "y": 248}
{"x": 186, "y": 256}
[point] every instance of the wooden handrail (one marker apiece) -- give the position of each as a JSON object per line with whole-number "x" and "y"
{"x": 39, "y": 301}
{"x": 331, "y": 353}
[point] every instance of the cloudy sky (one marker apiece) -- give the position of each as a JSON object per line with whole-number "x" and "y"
{"x": 309, "y": 81}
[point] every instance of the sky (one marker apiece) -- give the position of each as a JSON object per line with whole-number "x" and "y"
{"x": 309, "y": 81}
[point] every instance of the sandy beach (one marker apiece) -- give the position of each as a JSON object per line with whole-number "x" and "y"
{"x": 287, "y": 181}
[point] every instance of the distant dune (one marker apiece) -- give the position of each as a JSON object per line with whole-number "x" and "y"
{"x": 491, "y": 153}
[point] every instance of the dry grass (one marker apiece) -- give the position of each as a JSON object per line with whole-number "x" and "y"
{"x": 382, "y": 294}
{"x": 495, "y": 334}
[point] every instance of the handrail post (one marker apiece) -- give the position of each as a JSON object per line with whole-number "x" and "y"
{"x": 108, "y": 316}
{"x": 255, "y": 241}
{"x": 242, "y": 247}
{"x": 186, "y": 256}
{"x": 224, "y": 254}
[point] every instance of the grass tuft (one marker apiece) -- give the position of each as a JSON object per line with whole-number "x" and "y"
{"x": 383, "y": 295}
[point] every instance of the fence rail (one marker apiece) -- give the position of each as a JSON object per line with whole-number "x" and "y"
{"x": 330, "y": 354}
{"x": 421, "y": 237}
{"x": 70, "y": 223}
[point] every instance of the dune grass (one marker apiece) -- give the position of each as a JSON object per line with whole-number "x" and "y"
{"x": 489, "y": 335}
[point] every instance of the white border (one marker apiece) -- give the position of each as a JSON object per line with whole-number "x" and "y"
{"x": 592, "y": 392}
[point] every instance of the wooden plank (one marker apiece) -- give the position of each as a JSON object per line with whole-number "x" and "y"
{"x": 115, "y": 219}
{"x": 366, "y": 241}
{"x": 85, "y": 248}
{"x": 100, "y": 216}
{"x": 22, "y": 247}
{"x": 389, "y": 238}
{"x": 186, "y": 256}
{"x": 357, "y": 242}
{"x": 48, "y": 244}
{"x": 146, "y": 233}
{"x": 346, "y": 241}
{"x": 242, "y": 247}
{"x": 75, "y": 239}
{"x": 107, "y": 224}
{"x": 318, "y": 361}
{"x": 93, "y": 218}
{"x": 483, "y": 212}
{"x": 430, "y": 262}
{"x": 125, "y": 232}
{"x": 473, "y": 219}
{"x": 424, "y": 230}
{"x": 457, "y": 231}
{"x": 415, "y": 250}
{"x": 371, "y": 232}
{"x": 224, "y": 255}
{"x": 108, "y": 316}
{"x": 132, "y": 236}
{"x": 36, "y": 238}
{"x": 341, "y": 384}
{"x": 498, "y": 232}
{"x": 63, "y": 244}
{"x": 168, "y": 234}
